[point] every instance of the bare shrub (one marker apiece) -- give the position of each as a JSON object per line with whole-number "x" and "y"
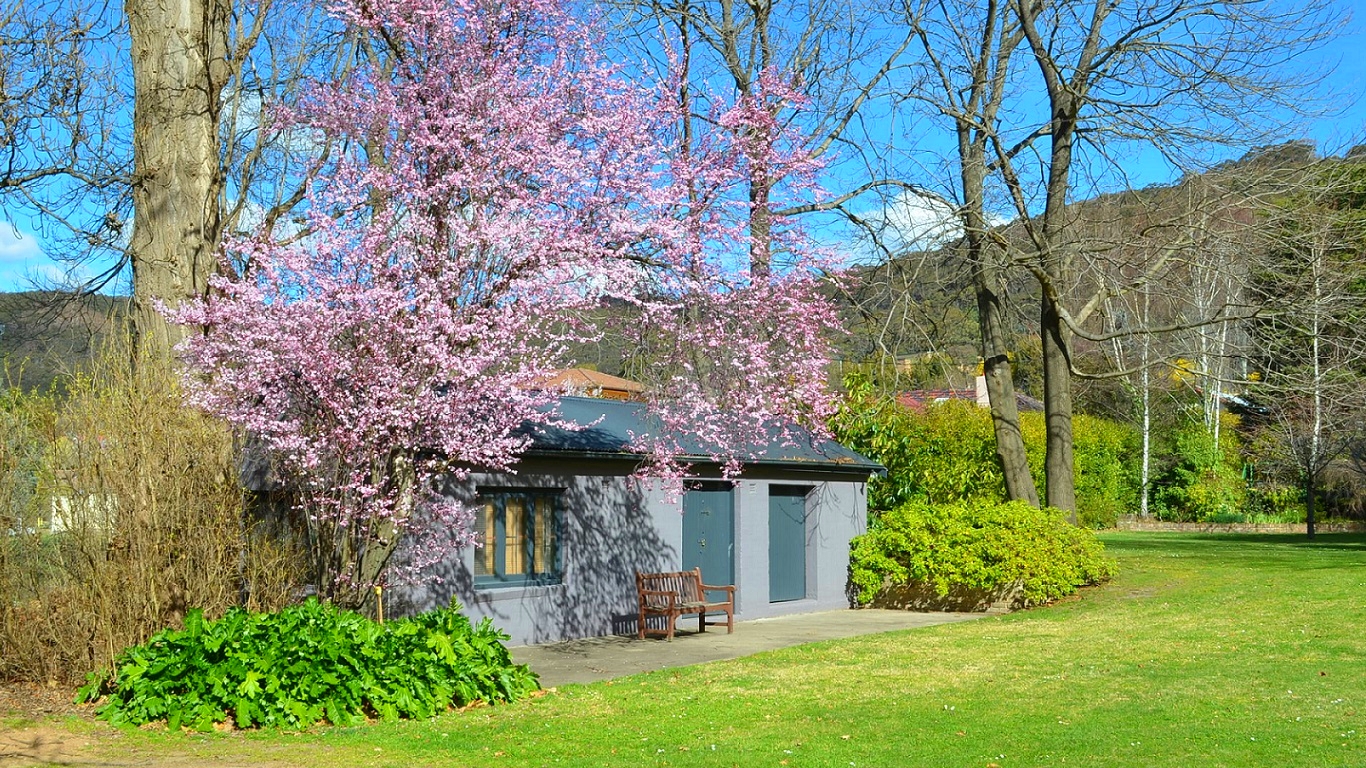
{"x": 132, "y": 513}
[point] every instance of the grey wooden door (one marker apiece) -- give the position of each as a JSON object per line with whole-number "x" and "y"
{"x": 786, "y": 543}
{"x": 709, "y": 533}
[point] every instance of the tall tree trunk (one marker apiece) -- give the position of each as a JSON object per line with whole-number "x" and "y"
{"x": 1066, "y": 97}
{"x": 976, "y": 108}
{"x": 1309, "y": 504}
{"x": 1054, "y": 261}
{"x": 1146, "y": 382}
{"x": 1005, "y": 416}
{"x": 1060, "y": 489}
{"x": 1314, "y": 459}
{"x": 987, "y": 285}
{"x": 760, "y": 221}
{"x": 179, "y": 50}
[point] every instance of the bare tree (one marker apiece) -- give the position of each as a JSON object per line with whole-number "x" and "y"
{"x": 1170, "y": 266}
{"x": 966, "y": 50}
{"x": 158, "y": 114}
{"x": 65, "y": 153}
{"x": 828, "y": 51}
{"x": 1314, "y": 338}
{"x": 1173, "y": 75}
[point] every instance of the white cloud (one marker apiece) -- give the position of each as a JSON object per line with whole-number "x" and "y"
{"x": 917, "y": 222}
{"x": 25, "y": 266}
{"x": 17, "y": 246}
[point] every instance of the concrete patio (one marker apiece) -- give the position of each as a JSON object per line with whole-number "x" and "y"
{"x": 605, "y": 658}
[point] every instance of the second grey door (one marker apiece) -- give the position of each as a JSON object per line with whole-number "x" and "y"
{"x": 786, "y": 543}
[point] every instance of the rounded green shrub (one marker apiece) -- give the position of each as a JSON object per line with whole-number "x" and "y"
{"x": 978, "y": 545}
{"x": 305, "y": 664}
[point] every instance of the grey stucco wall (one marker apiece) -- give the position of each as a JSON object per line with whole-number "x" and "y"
{"x": 836, "y": 511}
{"x": 613, "y": 526}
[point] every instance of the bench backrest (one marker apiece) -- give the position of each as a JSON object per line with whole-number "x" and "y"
{"x": 685, "y": 583}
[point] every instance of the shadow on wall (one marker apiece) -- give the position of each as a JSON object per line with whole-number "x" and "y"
{"x": 609, "y": 530}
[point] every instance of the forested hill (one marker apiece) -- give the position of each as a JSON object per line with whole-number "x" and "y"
{"x": 1188, "y": 246}
{"x": 44, "y": 335}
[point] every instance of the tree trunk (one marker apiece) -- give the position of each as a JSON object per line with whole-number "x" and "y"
{"x": 988, "y": 286}
{"x": 179, "y": 50}
{"x": 1060, "y": 490}
{"x": 1314, "y": 459}
{"x": 1146, "y": 383}
{"x": 1309, "y": 504}
{"x": 1005, "y": 416}
{"x": 760, "y": 221}
{"x": 1054, "y": 262}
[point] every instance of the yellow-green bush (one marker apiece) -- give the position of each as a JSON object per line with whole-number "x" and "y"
{"x": 947, "y": 453}
{"x": 978, "y": 545}
{"x": 1201, "y": 480}
{"x": 1106, "y": 456}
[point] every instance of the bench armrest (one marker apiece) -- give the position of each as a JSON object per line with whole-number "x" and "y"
{"x": 672, "y": 601}
{"x": 728, "y": 589}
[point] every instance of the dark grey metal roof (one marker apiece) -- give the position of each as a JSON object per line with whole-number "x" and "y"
{"x": 614, "y": 423}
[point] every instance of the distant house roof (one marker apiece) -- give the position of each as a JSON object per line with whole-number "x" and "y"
{"x": 919, "y": 398}
{"x": 613, "y": 425}
{"x": 590, "y": 383}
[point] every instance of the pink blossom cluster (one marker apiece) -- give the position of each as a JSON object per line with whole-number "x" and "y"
{"x": 491, "y": 179}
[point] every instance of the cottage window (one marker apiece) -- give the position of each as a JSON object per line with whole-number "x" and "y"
{"x": 518, "y": 533}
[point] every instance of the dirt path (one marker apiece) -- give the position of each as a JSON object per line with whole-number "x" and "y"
{"x": 31, "y": 730}
{"x": 39, "y": 726}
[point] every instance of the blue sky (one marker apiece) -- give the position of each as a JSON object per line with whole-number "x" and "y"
{"x": 22, "y": 257}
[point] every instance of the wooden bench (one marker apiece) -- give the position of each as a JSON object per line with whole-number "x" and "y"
{"x": 681, "y": 592}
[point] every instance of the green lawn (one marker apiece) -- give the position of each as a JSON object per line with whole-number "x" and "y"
{"x": 1207, "y": 651}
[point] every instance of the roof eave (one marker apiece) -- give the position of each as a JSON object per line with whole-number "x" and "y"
{"x": 796, "y": 465}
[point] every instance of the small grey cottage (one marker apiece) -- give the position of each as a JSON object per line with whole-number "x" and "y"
{"x": 563, "y": 537}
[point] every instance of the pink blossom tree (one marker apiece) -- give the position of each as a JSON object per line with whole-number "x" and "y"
{"x": 497, "y": 179}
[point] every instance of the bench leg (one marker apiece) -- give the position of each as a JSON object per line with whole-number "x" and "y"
{"x": 702, "y": 621}
{"x": 730, "y": 621}
{"x": 640, "y": 627}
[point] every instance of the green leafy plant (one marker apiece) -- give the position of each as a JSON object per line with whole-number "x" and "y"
{"x": 941, "y": 454}
{"x": 305, "y": 664}
{"x": 978, "y": 545}
{"x": 1276, "y": 503}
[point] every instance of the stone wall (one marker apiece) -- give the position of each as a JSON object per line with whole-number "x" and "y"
{"x": 919, "y": 596}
